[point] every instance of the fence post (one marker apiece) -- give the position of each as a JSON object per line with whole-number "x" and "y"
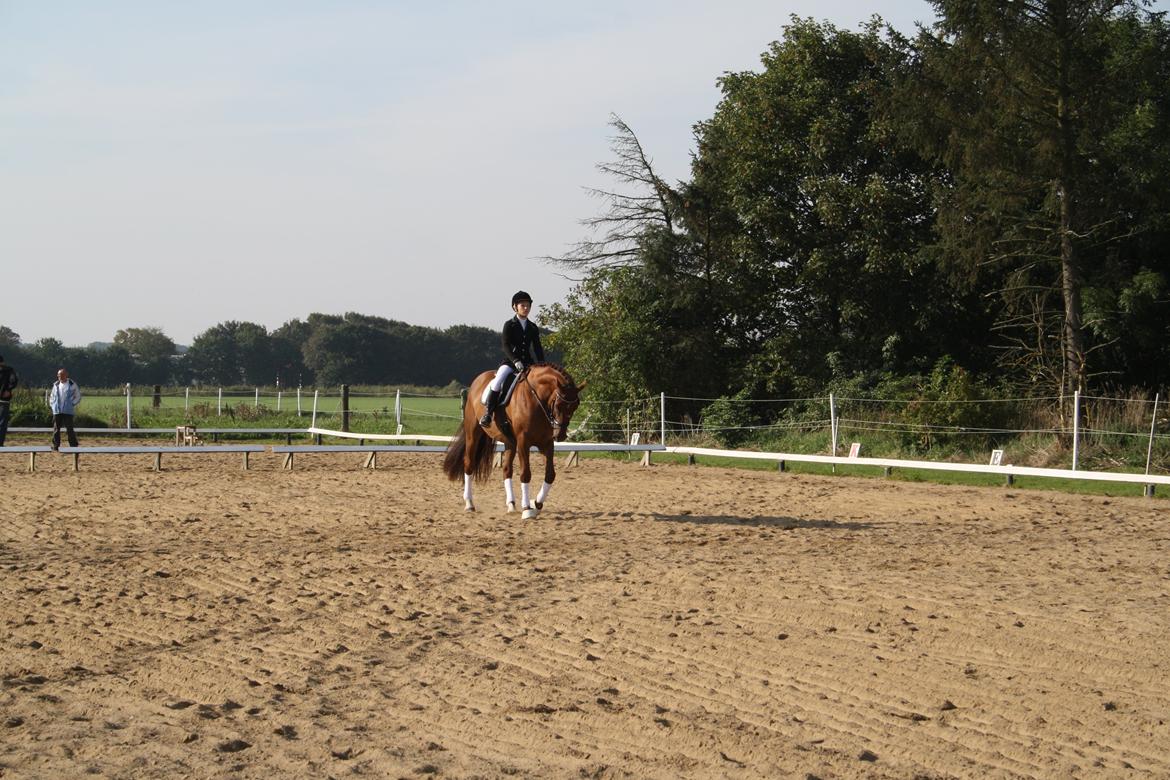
{"x": 278, "y": 399}
{"x": 1153, "y": 424}
{"x": 313, "y": 424}
{"x": 345, "y": 408}
{"x": 398, "y": 410}
{"x": 219, "y": 404}
{"x": 187, "y": 399}
{"x": 662, "y": 413}
{"x": 156, "y": 399}
{"x": 833, "y": 423}
{"x": 298, "y": 400}
{"x": 257, "y": 404}
{"x": 128, "y": 420}
{"x": 1076, "y": 427}
{"x": 629, "y": 430}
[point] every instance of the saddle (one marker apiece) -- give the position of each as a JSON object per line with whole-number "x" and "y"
{"x": 509, "y": 386}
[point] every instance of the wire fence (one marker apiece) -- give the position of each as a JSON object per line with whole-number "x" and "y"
{"x": 1119, "y": 432}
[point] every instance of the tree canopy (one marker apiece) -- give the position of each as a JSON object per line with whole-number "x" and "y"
{"x": 989, "y": 195}
{"x": 322, "y": 349}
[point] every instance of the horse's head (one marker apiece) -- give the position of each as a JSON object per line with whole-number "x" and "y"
{"x": 565, "y": 401}
{"x": 562, "y": 401}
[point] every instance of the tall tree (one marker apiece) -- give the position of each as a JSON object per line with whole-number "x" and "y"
{"x": 214, "y": 355}
{"x": 152, "y": 352}
{"x": 824, "y": 214}
{"x": 647, "y": 267}
{"x": 1023, "y": 100}
{"x": 148, "y": 345}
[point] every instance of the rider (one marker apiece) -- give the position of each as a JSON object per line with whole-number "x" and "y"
{"x": 521, "y": 339}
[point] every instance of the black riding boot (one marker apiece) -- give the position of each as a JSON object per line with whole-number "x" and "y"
{"x": 489, "y": 407}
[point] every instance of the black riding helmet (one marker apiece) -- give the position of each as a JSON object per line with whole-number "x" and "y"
{"x": 521, "y": 296}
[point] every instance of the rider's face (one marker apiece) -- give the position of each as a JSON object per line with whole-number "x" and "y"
{"x": 522, "y": 308}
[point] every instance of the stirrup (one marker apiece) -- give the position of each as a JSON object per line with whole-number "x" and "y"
{"x": 486, "y": 420}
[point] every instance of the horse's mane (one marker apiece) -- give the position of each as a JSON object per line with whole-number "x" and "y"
{"x": 559, "y": 369}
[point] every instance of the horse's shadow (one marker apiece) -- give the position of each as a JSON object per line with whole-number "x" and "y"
{"x": 761, "y": 521}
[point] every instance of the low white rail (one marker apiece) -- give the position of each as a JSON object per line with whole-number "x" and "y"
{"x": 372, "y": 450}
{"x": 76, "y": 452}
{"x": 1008, "y": 471}
{"x": 214, "y": 433}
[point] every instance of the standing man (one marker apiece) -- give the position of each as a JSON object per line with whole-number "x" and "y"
{"x": 64, "y": 396}
{"x": 8, "y": 380}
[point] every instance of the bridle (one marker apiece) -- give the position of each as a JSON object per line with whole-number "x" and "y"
{"x": 548, "y": 415}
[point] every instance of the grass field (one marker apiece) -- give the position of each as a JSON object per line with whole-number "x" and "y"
{"x": 373, "y": 413}
{"x": 96, "y": 403}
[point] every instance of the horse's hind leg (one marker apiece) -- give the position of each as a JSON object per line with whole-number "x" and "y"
{"x": 468, "y": 469}
{"x": 509, "y": 497}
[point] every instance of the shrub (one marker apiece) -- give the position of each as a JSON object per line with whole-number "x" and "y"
{"x": 730, "y": 419}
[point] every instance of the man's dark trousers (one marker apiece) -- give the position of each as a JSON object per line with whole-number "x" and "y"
{"x": 4, "y": 413}
{"x": 63, "y": 421}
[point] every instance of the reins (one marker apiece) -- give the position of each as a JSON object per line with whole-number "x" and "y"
{"x": 547, "y": 413}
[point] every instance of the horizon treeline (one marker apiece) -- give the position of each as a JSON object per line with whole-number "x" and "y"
{"x": 323, "y": 349}
{"x": 982, "y": 208}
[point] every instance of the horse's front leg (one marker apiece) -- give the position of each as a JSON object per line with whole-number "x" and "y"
{"x": 530, "y": 511}
{"x": 550, "y": 475}
{"x": 509, "y": 498}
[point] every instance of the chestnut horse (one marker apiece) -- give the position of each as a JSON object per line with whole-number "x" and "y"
{"x": 538, "y": 414}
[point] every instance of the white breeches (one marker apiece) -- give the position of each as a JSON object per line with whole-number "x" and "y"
{"x": 497, "y": 384}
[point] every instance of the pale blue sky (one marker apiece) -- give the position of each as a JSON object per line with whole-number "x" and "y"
{"x": 180, "y": 164}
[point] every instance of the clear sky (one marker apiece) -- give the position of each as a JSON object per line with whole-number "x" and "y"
{"x": 180, "y": 164}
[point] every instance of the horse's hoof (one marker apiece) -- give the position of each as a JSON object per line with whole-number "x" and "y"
{"x": 511, "y": 505}
{"x": 530, "y": 514}
{"x": 539, "y": 505}
{"x": 468, "y": 507}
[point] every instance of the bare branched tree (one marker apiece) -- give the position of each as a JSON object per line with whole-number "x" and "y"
{"x": 640, "y": 202}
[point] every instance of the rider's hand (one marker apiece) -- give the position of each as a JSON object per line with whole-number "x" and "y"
{"x": 519, "y": 365}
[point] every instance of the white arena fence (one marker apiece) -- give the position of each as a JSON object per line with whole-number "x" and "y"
{"x": 658, "y": 424}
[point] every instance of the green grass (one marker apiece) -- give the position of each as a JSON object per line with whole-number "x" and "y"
{"x": 370, "y": 414}
{"x": 98, "y": 404}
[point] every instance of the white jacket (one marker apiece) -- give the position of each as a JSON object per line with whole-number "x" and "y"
{"x": 64, "y": 397}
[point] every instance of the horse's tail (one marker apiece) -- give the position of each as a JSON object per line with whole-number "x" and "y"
{"x": 453, "y": 460}
{"x": 481, "y": 456}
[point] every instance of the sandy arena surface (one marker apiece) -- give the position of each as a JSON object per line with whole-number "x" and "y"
{"x": 665, "y": 622}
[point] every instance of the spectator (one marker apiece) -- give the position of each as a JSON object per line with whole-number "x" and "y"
{"x": 8, "y": 380}
{"x": 64, "y": 396}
